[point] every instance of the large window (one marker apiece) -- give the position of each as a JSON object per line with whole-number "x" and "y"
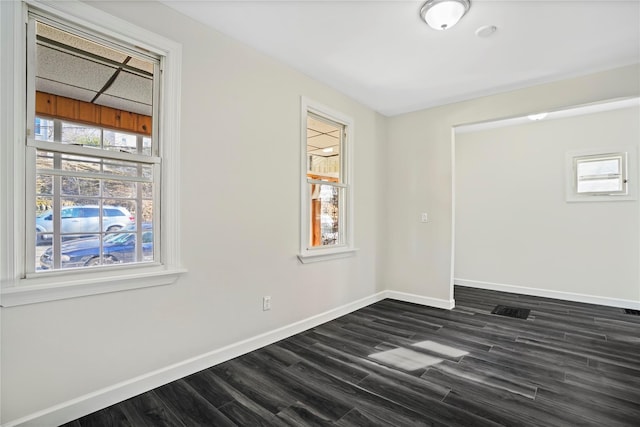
{"x": 326, "y": 185}
{"x": 95, "y": 160}
{"x": 94, "y": 154}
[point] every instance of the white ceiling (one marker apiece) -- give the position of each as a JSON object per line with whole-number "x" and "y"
{"x": 382, "y": 54}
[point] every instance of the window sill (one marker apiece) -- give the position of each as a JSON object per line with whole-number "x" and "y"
{"x": 600, "y": 198}
{"x": 36, "y": 290}
{"x": 326, "y": 255}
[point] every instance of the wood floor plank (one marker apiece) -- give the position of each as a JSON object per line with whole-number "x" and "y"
{"x": 621, "y": 389}
{"x": 113, "y": 416}
{"x": 254, "y": 386}
{"x": 354, "y": 395}
{"x": 592, "y": 410}
{"x": 250, "y": 415}
{"x": 347, "y": 372}
{"x": 320, "y": 401}
{"x": 359, "y": 418}
{"x": 210, "y": 387}
{"x": 192, "y": 408}
{"x": 496, "y": 404}
{"x": 147, "y": 410}
{"x": 300, "y": 414}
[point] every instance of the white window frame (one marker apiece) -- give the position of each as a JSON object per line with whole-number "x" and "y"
{"x": 16, "y": 287}
{"x": 628, "y": 174}
{"x": 314, "y": 254}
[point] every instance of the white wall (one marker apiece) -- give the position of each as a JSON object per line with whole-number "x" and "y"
{"x": 513, "y": 224}
{"x": 240, "y": 203}
{"x": 420, "y": 172}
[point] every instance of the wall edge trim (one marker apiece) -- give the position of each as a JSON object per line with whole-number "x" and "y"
{"x": 546, "y": 293}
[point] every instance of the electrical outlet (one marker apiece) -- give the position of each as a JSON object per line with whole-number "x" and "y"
{"x": 266, "y": 303}
{"x": 424, "y": 217}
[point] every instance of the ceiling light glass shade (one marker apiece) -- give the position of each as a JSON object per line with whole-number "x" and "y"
{"x": 443, "y": 14}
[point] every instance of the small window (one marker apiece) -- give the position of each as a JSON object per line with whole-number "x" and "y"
{"x": 601, "y": 176}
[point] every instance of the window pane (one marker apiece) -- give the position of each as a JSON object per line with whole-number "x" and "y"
{"x": 81, "y": 164}
{"x": 147, "y": 211}
{"x": 74, "y": 186}
{"x": 44, "y": 160}
{"x": 78, "y": 68}
{"x": 599, "y": 167}
{"x": 44, "y": 253}
{"x": 325, "y": 215}
{"x": 43, "y": 129}
{"x": 324, "y": 144}
{"x": 44, "y": 185}
{"x": 607, "y": 185}
{"x": 146, "y": 146}
{"x": 147, "y": 190}
{"x": 44, "y": 218}
{"x": 123, "y": 189}
{"x": 120, "y": 141}
{"x": 127, "y": 169}
{"x": 84, "y": 135}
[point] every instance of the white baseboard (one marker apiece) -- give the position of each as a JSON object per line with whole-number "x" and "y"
{"x": 546, "y": 293}
{"x": 419, "y": 299}
{"x": 76, "y": 408}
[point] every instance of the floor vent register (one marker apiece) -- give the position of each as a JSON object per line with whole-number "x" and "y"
{"x": 515, "y": 312}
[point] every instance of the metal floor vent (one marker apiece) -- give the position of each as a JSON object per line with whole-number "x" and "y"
{"x": 516, "y": 312}
{"x": 631, "y": 311}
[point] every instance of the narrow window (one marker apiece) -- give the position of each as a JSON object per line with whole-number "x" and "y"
{"x": 326, "y": 221}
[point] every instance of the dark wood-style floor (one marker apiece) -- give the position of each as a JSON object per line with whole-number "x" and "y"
{"x": 568, "y": 364}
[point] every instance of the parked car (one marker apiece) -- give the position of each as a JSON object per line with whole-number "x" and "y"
{"x": 117, "y": 248}
{"x": 84, "y": 219}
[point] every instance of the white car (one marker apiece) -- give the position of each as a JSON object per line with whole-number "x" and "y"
{"x": 82, "y": 220}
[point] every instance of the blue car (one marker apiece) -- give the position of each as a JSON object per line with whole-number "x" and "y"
{"x": 118, "y": 248}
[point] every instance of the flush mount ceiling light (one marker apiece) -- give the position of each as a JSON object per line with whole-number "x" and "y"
{"x": 444, "y": 14}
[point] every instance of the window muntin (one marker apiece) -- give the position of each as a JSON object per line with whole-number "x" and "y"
{"x": 89, "y": 169}
{"x": 600, "y": 174}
